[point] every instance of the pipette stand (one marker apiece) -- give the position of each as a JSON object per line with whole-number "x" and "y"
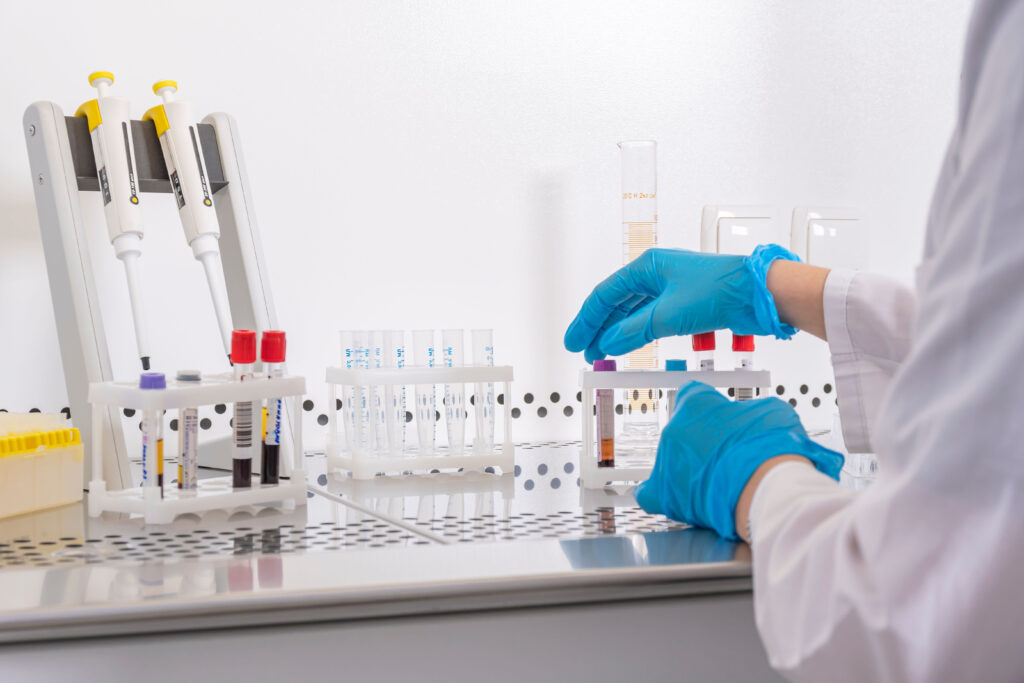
{"x": 639, "y": 469}
{"x": 63, "y": 166}
{"x": 365, "y": 462}
{"x": 214, "y": 493}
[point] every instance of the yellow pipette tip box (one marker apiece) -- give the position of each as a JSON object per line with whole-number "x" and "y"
{"x": 41, "y": 463}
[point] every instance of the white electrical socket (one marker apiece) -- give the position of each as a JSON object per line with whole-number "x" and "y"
{"x": 737, "y": 229}
{"x": 831, "y": 237}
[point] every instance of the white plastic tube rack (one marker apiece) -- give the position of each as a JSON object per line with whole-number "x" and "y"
{"x": 365, "y": 463}
{"x": 592, "y": 476}
{"x": 214, "y": 493}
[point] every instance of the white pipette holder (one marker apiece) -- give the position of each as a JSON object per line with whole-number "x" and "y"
{"x": 366, "y": 462}
{"x": 639, "y": 468}
{"x": 214, "y": 493}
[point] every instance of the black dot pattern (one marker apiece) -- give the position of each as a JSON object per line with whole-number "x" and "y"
{"x": 545, "y": 505}
{"x": 134, "y": 547}
{"x": 545, "y": 405}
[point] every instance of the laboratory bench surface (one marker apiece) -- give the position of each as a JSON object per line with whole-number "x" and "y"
{"x": 391, "y": 548}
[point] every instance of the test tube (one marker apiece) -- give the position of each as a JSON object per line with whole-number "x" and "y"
{"x": 394, "y": 394}
{"x": 375, "y": 393}
{"x": 188, "y": 436}
{"x": 674, "y": 365}
{"x": 243, "y": 358}
{"x": 605, "y": 418}
{"x": 426, "y": 406}
{"x": 272, "y": 353}
{"x": 350, "y": 359}
{"x": 704, "y": 347}
{"x": 452, "y": 342}
{"x": 153, "y": 435}
{"x": 743, "y": 353}
{"x": 364, "y": 411}
{"x": 483, "y": 400}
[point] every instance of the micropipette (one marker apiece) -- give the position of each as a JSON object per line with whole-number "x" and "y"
{"x": 109, "y": 123}
{"x": 186, "y": 168}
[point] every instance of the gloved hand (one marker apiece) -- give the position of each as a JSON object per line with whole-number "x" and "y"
{"x": 673, "y": 291}
{"x": 710, "y": 449}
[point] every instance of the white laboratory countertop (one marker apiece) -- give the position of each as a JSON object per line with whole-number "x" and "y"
{"x": 412, "y": 545}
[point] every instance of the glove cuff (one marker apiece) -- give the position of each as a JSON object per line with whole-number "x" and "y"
{"x": 753, "y": 453}
{"x": 757, "y": 264}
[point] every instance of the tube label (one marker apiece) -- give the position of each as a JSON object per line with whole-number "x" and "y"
{"x": 243, "y": 425}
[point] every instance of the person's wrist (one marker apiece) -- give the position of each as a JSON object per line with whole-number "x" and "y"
{"x": 742, "y": 512}
{"x": 758, "y": 265}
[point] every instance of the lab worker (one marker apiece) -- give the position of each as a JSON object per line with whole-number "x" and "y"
{"x": 921, "y": 577}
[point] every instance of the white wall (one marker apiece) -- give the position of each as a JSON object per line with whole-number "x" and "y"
{"x": 454, "y": 164}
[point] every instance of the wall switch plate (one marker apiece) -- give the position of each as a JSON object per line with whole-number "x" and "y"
{"x": 831, "y": 237}
{"x": 737, "y": 229}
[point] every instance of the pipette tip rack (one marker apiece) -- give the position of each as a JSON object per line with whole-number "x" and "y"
{"x": 632, "y": 467}
{"x": 214, "y": 493}
{"x": 367, "y": 462}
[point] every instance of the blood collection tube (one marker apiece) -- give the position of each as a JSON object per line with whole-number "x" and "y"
{"x": 674, "y": 365}
{"x": 243, "y": 357}
{"x": 188, "y": 436}
{"x": 272, "y": 351}
{"x": 153, "y": 435}
{"x": 605, "y": 418}
{"x": 704, "y": 347}
{"x": 743, "y": 353}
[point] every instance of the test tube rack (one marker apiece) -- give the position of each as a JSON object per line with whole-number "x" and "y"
{"x": 366, "y": 463}
{"x": 639, "y": 469}
{"x": 214, "y": 493}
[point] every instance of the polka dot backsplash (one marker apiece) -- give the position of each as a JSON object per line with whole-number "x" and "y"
{"x": 534, "y": 413}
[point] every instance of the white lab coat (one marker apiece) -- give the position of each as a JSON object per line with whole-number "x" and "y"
{"x": 921, "y": 577}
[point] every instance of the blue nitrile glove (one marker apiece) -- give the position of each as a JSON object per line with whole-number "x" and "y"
{"x": 673, "y": 291}
{"x": 710, "y": 449}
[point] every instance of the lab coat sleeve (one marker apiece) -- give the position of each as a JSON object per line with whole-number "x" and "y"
{"x": 867, "y": 322}
{"x": 919, "y": 577}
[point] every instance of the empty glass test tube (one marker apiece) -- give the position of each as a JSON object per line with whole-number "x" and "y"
{"x": 363, "y": 397}
{"x": 188, "y": 436}
{"x": 452, "y": 342}
{"x": 350, "y": 359}
{"x": 426, "y": 401}
{"x": 394, "y": 394}
{"x": 483, "y": 392}
{"x": 375, "y": 393}
{"x": 605, "y": 418}
{"x": 355, "y": 402}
